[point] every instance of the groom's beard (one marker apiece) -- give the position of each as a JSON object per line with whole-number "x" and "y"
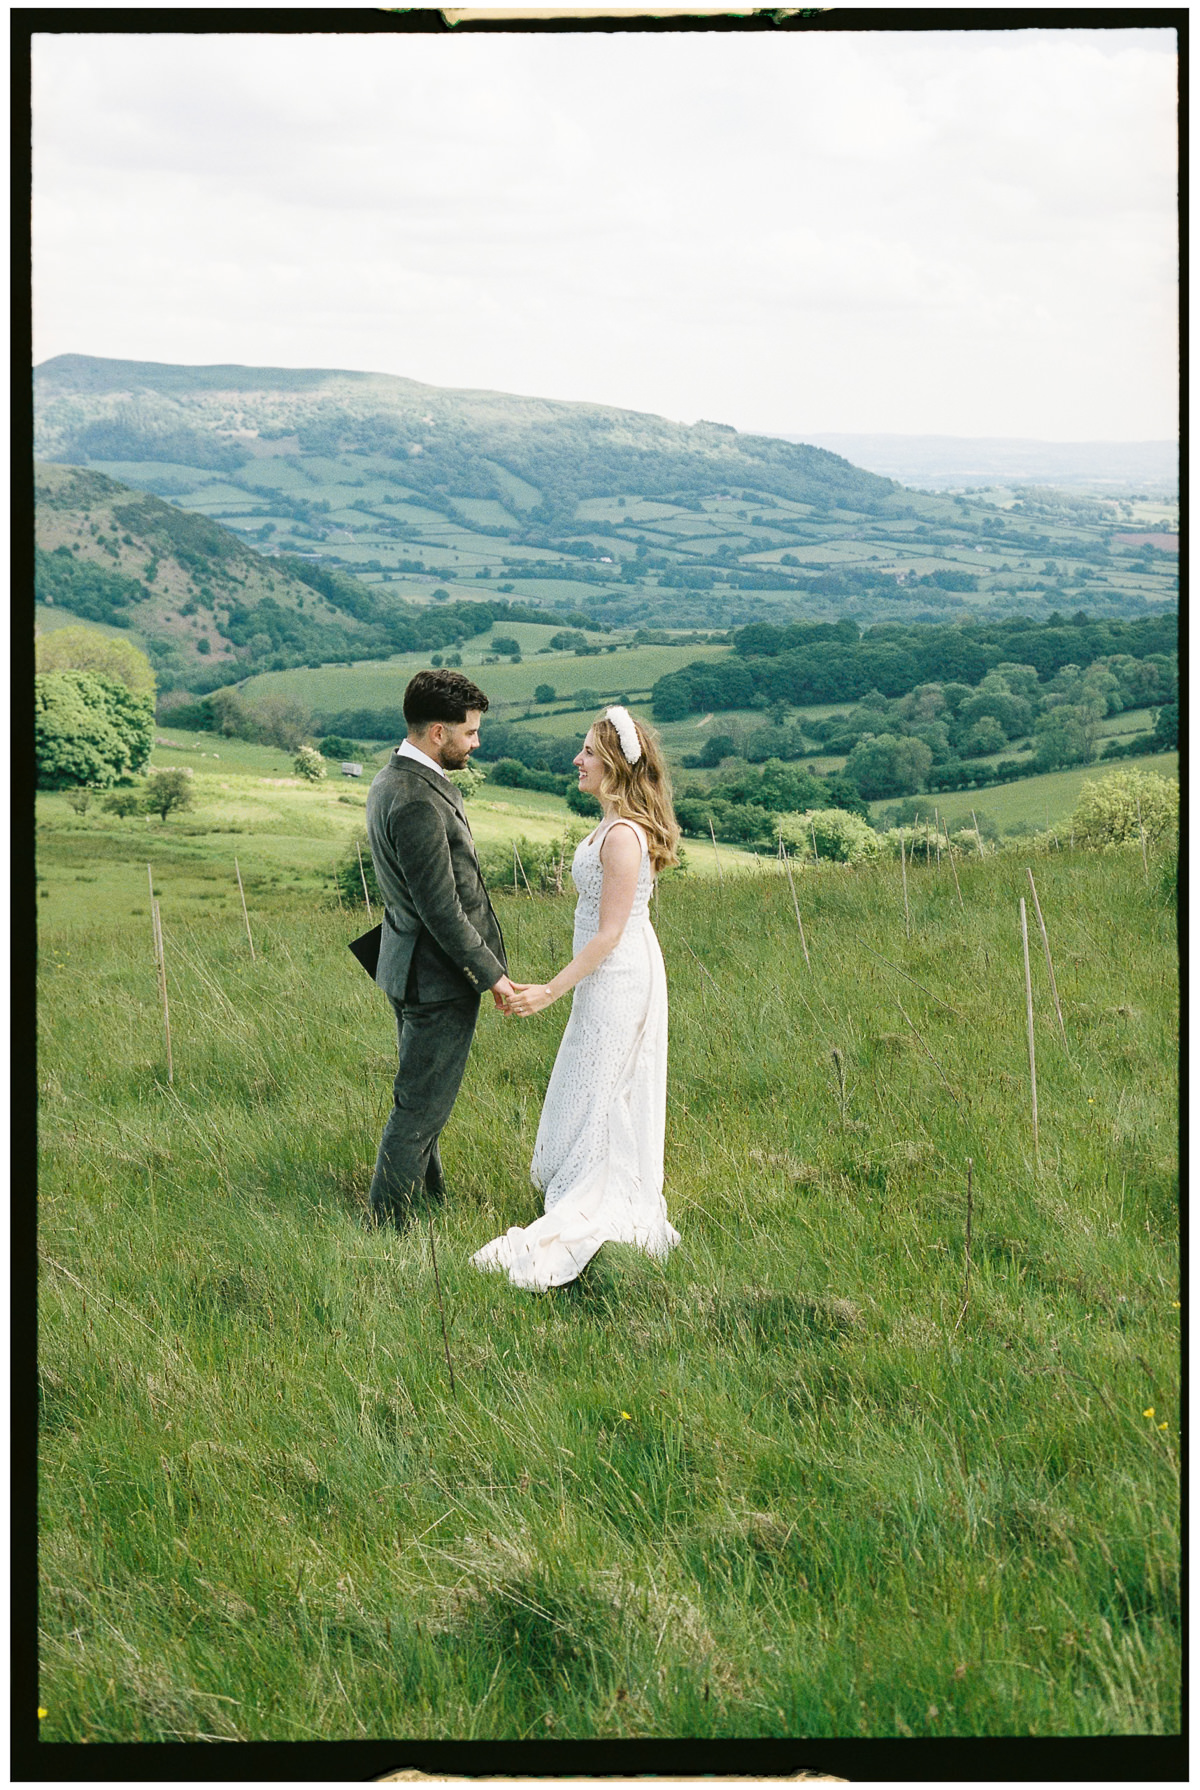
{"x": 453, "y": 758}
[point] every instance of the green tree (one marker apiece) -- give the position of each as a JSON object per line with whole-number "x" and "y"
{"x": 1101, "y": 685}
{"x": 123, "y": 802}
{"x": 281, "y": 721}
{"x": 84, "y": 649}
{"x": 888, "y": 764}
{"x": 1166, "y": 727}
{"x": 1013, "y": 713}
{"x": 79, "y": 800}
{"x": 88, "y": 730}
{"x": 1022, "y": 680}
{"x": 544, "y": 693}
{"x": 986, "y": 735}
{"x": 167, "y": 791}
{"x": 336, "y": 747}
{"x": 231, "y": 714}
{"x": 1063, "y": 736}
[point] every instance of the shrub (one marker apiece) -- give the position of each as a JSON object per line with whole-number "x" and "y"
{"x": 1108, "y": 810}
{"x": 79, "y": 800}
{"x": 349, "y": 878}
{"x": 546, "y": 864}
{"x": 309, "y": 764}
{"x": 125, "y": 803}
{"x": 841, "y": 837}
{"x": 510, "y": 773}
{"x": 901, "y": 814}
{"x": 469, "y": 779}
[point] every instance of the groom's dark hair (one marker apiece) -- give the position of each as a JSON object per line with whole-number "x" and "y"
{"x": 441, "y": 696}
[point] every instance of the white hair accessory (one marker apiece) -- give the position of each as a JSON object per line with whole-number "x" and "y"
{"x": 622, "y": 720}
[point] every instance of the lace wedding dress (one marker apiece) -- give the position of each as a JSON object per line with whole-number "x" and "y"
{"x": 599, "y": 1152}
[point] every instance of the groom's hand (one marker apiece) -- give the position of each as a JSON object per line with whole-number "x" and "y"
{"x": 529, "y": 998}
{"x": 502, "y": 993}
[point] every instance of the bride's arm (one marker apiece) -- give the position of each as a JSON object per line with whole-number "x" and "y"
{"x": 621, "y": 858}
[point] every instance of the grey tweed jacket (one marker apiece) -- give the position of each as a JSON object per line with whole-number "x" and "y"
{"x": 441, "y": 939}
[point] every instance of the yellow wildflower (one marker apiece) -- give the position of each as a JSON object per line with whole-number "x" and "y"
{"x": 1162, "y": 1426}
{"x": 42, "y": 1714}
{"x": 626, "y": 1416}
{"x": 1148, "y": 1413}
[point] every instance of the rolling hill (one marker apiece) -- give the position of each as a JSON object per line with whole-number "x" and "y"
{"x": 530, "y": 457}
{"x": 410, "y": 490}
{"x": 206, "y": 607}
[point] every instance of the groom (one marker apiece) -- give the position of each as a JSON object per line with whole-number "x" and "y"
{"x": 441, "y": 945}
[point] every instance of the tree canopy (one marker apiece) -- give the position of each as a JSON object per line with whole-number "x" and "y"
{"x": 85, "y": 649}
{"x": 88, "y": 730}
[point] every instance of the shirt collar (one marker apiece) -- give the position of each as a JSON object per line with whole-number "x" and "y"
{"x": 406, "y": 749}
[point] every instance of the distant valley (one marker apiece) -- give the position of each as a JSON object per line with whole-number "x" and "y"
{"x": 238, "y": 520}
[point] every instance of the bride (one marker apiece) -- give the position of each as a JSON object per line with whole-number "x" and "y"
{"x": 598, "y": 1158}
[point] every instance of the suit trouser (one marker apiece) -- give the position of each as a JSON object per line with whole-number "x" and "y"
{"x": 433, "y": 1041}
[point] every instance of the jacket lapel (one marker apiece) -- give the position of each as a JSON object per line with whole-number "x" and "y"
{"x": 449, "y": 792}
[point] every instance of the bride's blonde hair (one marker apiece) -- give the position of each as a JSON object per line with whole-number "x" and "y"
{"x": 640, "y": 791}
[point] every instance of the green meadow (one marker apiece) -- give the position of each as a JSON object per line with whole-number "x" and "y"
{"x": 617, "y": 670}
{"x": 889, "y": 1446}
{"x": 1032, "y": 804}
{"x": 251, "y": 813}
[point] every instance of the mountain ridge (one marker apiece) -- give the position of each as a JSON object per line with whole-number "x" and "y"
{"x": 89, "y": 408}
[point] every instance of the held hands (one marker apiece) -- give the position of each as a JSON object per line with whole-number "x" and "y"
{"x": 521, "y": 998}
{"x": 528, "y": 998}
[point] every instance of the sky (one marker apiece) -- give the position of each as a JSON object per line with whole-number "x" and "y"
{"x": 938, "y": 232}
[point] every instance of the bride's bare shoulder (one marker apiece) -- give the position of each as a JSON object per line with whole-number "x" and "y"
{"x": 624, "y": 838}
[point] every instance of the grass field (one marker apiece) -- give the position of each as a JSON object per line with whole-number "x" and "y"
{"x": 287, "y": 836}
{"x": 1034, "y": 803}
{"x": 806, "y": 1478}
{"x": 380, "y": 684}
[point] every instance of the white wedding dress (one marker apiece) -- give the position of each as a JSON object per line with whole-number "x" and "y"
{"x": 599, "y": 1152}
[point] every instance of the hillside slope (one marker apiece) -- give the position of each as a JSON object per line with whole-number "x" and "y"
{"x": 469, "y": 442}
{"x": 180, "y": 581}
{"x": 206, "y": 607}
{"x": 633, "y": 518}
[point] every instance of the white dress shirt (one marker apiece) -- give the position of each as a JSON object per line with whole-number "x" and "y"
{"x": 406, "y": 749}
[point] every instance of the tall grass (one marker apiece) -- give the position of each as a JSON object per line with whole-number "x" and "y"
{"x": 781, "y": 1484}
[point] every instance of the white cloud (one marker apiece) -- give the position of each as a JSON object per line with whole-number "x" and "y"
{"x": 968, "y": 233}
